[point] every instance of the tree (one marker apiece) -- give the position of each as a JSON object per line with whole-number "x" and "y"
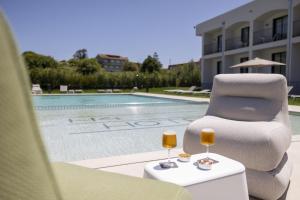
{"x": 34, "y": 60}
{"x": 130, "y": 66}
{"x": 150, "y": 65}
{"x": 155, "y": 56}
{"x": 80, "y": 54}
{"x": 87, "y": 66}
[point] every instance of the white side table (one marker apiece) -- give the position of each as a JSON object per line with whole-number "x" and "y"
{"x": 226, "y": 179}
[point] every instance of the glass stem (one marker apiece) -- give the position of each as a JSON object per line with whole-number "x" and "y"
{"x": 207, "y": 150}
{"x": 169, "y": 155}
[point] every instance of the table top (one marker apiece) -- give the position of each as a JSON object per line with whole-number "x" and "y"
{"x": 188, "y": 173}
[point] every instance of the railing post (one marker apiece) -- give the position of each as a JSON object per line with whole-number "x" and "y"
{"x": 202, "y": 62}
{"x": 289, "y": 41}
{"x": 223, "y": 48}
{"x": 251, "y": 40}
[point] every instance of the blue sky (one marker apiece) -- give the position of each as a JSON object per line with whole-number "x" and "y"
{"x": 132, "y": 28}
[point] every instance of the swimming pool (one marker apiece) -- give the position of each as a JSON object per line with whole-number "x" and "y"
{"x": 92, "y": 101}
{"x": 77, "y": 127}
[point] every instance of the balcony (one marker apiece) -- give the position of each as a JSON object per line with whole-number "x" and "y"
{"x": 266, "y": 35}
{"x": 212, "y": 48}
{"x": 296, "y": 28}
{"x": 236, "y": 43}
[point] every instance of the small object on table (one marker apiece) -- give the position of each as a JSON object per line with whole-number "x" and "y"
{"x": 167, "y": 165}
{"x": 184, "y": 157}
{"x": 205, "y": 164}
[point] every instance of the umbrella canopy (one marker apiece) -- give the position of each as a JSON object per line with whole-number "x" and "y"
{"x": 257, "y": 62}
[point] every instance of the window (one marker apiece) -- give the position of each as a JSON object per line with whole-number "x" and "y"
{"x": 280, "y": 28}
{"x": 245, "y": 36}
{"x": 279, "y": 57}
{"x": 244, "y": 69}
{"x": 219, "y": 67}
{"x": 219, "y": 43}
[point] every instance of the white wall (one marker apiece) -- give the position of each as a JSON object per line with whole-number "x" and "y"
{"x": 267, "y": 54}
{"x": 266, "y": 21}
{"x": 247, "y": 12}
{"x": 233, "y": 60}
{"x": 209, "y": 70}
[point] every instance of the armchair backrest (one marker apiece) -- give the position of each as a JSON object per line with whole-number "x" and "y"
{"x": 25, "y": 172}
{"x": 249, "y": 97}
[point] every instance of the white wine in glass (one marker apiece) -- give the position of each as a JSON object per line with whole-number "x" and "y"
{"x": 169, "y": 141}
{"x": 207, "y": 138}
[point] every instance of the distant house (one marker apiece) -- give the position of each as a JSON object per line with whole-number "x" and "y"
{"x": 111, "y": 63}
{"x": 174, "y": 66}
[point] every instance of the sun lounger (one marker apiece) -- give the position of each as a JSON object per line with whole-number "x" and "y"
{"x": 294, "y": 96}
{"x": 117, "y": 90}
{"x": 36, "y": 89}
{"x": 78, "y": 91}
{"x": 206, "y": 91}
{"x": 290, "y": 89}
{"x": 63, "y": 89}
{"x": 101, "y": 91}
{"x": 190, "y": 90}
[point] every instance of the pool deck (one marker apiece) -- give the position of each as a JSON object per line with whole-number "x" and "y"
{"x": 133, "y": 165}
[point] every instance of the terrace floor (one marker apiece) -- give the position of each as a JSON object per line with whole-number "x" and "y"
{"x": 133, "y": 165}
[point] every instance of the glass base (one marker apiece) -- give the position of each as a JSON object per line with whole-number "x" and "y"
{"x": 167, "y": 165}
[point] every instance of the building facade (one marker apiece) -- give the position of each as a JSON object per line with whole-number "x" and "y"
{"x": 112, "y": 63}
{"x": 175, "y": 66}
{"x": 268, "y": 29}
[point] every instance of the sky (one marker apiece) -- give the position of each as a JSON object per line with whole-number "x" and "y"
{"x": 131, "y": 28}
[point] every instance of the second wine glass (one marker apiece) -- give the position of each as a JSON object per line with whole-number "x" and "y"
{"x": 207, "y": 138}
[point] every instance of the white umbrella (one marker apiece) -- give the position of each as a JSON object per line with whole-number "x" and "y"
{"x": 257, "y": 62}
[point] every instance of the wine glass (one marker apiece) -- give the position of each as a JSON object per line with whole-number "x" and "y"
{"x": 169, "y": 142}
{"x": 207, "y": 138}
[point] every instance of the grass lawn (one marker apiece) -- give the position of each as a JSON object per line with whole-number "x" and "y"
{"x": 161, "y": 91}
{"x": 151, "y": 90}
{"x": 295, "y": 102}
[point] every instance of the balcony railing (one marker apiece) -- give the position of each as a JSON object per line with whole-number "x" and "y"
{"x": 266, "y": 35}
{"x": 236, "y": 43}
{"x": 296, "y": 28}
{"x": 212, "y": 48}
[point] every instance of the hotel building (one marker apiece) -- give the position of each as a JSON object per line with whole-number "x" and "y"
{"x": 111, "y": 63}
{"x": 268, "y": 29}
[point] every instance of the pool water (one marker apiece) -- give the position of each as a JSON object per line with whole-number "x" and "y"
{"x": 123, "y": 124}
{"x": 71, "y": 101}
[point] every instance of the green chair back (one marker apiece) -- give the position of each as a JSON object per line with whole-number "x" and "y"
{"x": 25, "y": 172}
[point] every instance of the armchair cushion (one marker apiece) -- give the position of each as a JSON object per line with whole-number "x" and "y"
{"x": 87, "y": 184}
{"x": 250, "y": 97}
{"x": 258, "y": 145}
